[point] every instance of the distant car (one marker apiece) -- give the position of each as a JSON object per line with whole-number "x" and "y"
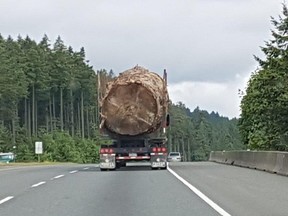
{"x": 174, "y": 156}
{"x": 6, "y": 157}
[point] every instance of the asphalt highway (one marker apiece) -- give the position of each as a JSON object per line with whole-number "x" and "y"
{"x": 85, "y": 190}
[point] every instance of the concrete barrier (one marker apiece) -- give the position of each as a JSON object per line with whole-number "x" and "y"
{"x": 281, "y": 164}
{"x": 270, "y": 161}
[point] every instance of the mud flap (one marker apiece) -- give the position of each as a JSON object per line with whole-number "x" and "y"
{"x": 107, "y": 161}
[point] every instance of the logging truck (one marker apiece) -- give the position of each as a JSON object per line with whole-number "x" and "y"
{"x": 134, "y": 115}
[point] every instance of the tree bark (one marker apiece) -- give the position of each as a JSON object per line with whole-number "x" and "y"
{"x": 72, "y": 113}
{"x": 50, "y": 114}
{"x": 189, "y": 151}
{"x": 54, "y": 112}
{"x": 178, "y": 144}
{"x": 36, "y": 118}
{"x": 88, "y": 123}
{"x": 13, "y": 131}
{"x": 47, "y": 119}
{"x": 82, "y": 115}
{"x": 13, "y": 124}
{"x": 183, "y": 149}
{"x": 67, "y": 119}
{"x": 25, "y": 116}
{"x": 97, "y": 121}
{"x": 61, "y": 108}
{"x": 33, "y": 109}
{"x": 29, "y": 118}
{"x": 79, "y": 120}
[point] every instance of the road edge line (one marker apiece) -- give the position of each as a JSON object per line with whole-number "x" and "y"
{"x": 216, "y": 207}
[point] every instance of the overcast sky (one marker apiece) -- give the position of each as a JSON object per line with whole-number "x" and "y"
{"x": 207, "y": 46}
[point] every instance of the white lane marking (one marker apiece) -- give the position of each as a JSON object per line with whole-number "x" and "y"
{"x": 59, "y": 176}
{"x": 6, "y": 199}
{"x": 86, "y": 168}
{"x": 38, "y": 184}
{"x": 199, "y": 193}
{"x": 74, "y": 171}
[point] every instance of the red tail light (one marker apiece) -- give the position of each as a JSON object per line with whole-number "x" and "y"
{"x": 159, "y": 149}
{"x": 111, "y": 151}
{"x": 106, "y": 151}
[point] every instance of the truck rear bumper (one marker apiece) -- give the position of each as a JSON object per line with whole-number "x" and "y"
{"x": 133, "y": 158}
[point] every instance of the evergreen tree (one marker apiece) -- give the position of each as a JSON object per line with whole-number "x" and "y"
{"x": 264, "y": 116}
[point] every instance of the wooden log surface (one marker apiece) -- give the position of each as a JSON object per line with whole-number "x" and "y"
{"x": 135, "y": 102}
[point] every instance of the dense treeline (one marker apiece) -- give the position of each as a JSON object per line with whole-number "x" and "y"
{"x": 264, "y": 118}
{"x": 196, "y": 133}
{"x": 49, "y": 93}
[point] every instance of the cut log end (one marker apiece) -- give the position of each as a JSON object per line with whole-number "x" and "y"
{"x": 134, "y": 104}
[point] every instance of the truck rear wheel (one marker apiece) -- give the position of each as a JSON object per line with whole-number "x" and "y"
{"x": 118, "y": 166}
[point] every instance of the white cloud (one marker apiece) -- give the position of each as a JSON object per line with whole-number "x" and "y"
{"x": 219, "y": 97}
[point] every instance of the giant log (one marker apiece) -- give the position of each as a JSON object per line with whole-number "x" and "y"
{"x": 135, "y": 103}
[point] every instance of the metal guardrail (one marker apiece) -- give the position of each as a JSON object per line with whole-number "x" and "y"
{"x": 270, "y": 161}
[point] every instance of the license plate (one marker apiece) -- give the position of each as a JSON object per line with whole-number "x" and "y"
{"x": 132, "y": 154}
{"x": 158, "y": 164}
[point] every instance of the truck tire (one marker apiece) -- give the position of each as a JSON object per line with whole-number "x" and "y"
{"x": 118, "y": 166}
